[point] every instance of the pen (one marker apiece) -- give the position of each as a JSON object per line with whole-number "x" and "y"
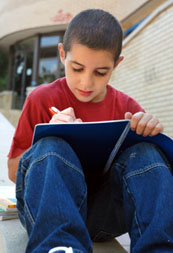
{"x": 53, "y": 110}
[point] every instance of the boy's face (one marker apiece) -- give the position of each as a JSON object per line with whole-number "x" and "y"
{"x": 87, "y": 71}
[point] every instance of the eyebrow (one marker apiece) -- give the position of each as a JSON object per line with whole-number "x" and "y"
{"x": 75, "y": 62}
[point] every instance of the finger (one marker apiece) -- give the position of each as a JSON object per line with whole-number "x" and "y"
{"x": 142, "y": 123}
{"x": 158, "y": 129}
{"x": 128, "y": 115}
{"x": 63, "y": 117}
{"x": 78, "y": 120}
{"x": 56, "y": 121}
{"x": 69, "y": 111}
{"x": 151, "y": 124}
{"x": 135, "y": 119}
{"x": 67, "y": 115}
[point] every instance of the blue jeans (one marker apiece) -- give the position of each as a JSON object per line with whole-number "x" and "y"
{"x": 58, "y": 207}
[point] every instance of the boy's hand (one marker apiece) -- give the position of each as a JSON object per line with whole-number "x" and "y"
{"x": 65, "y": 116}
{"x": 144, "y": 124}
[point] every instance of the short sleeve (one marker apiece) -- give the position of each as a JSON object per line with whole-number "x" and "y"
{"x": 133, "y": 106}
{"x": 22, "y": 139}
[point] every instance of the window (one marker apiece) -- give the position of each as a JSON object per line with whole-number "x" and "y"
{"x": 35, "y": 61}
{"x": 48, "y": 41}
{"x": 49, "y": 63}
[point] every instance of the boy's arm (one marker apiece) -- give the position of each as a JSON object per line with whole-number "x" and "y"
{"x": 12, "y": 167}
{"x": 64, "y": 116}
{"x": 144, "y": 123}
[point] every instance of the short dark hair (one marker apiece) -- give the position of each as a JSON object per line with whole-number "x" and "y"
{"x": 96, "y": 29}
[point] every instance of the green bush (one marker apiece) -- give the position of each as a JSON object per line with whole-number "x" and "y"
{"x": 3, "y": 70}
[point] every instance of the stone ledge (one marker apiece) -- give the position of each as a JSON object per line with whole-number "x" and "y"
{"x": 13, "y": 239}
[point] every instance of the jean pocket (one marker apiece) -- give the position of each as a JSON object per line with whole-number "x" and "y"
{"x": 103, "y": 236}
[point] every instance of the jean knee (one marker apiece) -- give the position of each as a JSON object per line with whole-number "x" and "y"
{"x": 143, "y": 147}
{"x": 146, "y": 150}
{"x": 55, "y": 145}
{"x": 141, "y": 156}
{"x": 47, "y": 151}
{"x": 52, "y": 143}
{"x": 150, "y": 151}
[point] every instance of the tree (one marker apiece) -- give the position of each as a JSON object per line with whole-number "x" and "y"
{"x": 3, "y": 70}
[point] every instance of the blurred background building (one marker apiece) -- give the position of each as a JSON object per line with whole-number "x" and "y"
{"x": 30, "y": 31}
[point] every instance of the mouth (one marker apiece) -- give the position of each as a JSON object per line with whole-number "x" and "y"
{"x": 85, "y": 93}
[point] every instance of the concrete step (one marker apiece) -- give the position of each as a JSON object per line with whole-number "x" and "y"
{"x": 13, "y": 239}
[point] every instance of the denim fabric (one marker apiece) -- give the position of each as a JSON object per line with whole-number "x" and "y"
{"x": 52, "y": 197}
{"x": 147, "y": 182}
{"x": 136, "y": 196}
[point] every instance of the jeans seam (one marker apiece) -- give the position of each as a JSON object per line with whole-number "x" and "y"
{"x": 27, "y": 158}
{"x": 82, "y": 201}
{"x": 135, "y": 213}
{"x": 19, "y": 189}
{"x": 145, "y": 170}
{"x": 28, "y": 213}
{"x": 137, "y": 222}
{"x": 56, "y": 155}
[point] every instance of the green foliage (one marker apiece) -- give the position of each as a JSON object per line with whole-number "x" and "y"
{"x": 3, "y": 70}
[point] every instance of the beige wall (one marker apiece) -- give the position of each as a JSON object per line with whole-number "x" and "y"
{"x": 29, "y": 16}
{"x": 5, "y": 107}
{"x": 147, "y": 71}
{"x": 11, "y": 115}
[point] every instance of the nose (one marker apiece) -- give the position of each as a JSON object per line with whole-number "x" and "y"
{"x": 87, "y": 82}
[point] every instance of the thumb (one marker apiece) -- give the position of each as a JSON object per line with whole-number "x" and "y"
{"x": 78, "y": 120}
{"x": 128, "y": 115}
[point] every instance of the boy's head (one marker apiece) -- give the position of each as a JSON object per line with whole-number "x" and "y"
{"x": 96, "y": 29}
{"x": 90, "y": 52}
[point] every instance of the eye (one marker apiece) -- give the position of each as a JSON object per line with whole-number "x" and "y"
{"x": 100, "y": 73}
{"x": 77, "y": 70}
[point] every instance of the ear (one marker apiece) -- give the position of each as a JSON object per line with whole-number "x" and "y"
{"x": 118, "y": 61}
{"x": 61, "y": 52}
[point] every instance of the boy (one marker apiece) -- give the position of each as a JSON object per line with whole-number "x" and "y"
{"x": 59, "y": 203}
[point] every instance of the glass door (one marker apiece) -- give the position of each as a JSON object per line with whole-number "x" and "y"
{"x": 22, "y": 71}
{"x": 22, "y": 77}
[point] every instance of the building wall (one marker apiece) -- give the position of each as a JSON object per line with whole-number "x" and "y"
{"x": 19, "y": 15}
{"x": 146, "y": 72}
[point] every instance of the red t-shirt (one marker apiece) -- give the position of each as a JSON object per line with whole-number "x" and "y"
{"x": 58, "y": 94}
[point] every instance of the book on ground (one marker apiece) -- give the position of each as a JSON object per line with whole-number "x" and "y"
{"x": 8, "y": 216}
{"x": 97, "y": 143}
{"x": 8, "y": 209}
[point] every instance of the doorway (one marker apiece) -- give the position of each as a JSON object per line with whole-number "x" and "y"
{"x": 22, "y": 77}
